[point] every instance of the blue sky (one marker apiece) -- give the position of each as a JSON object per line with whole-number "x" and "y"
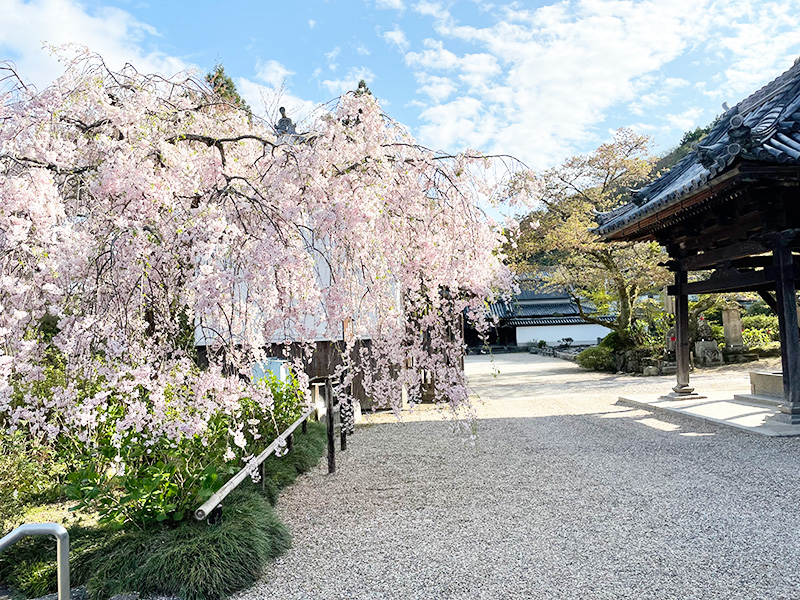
{"x": 539, "y": 80}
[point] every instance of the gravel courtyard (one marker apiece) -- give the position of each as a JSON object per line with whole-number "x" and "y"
{"x": 564, "y": 495}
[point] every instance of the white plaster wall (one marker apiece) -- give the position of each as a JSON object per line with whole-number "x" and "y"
{"x": 586, "y": 333}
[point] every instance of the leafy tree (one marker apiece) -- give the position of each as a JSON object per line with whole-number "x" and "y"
{"x": 223, "y": 86}
{"x": 362, "y": 88}
{"x": 556, "y": 238}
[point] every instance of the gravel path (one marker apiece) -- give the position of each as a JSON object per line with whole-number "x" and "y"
{"x": 565, "y": 495}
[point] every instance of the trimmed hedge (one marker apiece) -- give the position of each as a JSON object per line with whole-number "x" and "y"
{"x": 599, "y": 358}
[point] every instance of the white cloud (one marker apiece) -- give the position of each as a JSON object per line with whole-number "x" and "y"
{"x": 272, "y": 72}
{"x": 312, "y": 23}
{"x": 688, "y": 119}
{"x": 460, "y": 122}
{"x": 391, "y": 4}
{"x": 431, "y": 9}
{"x": 396, "y": 38}
{"x": 331, "y": 57}
{"x": 437, "y": 88}
{"x": 435, "y": 56}
{"x": 337, "y": 87}
{"x": 111, "y": 32}
{"x": 672, "y": 83}
{"x": 362, "y": 50}
{"x": 545, "y": 78}
{"x": 761, "y": 37}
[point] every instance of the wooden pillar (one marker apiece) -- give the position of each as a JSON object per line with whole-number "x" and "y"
{"x": 329, "y": 419}
{"x": 682, "y": 357}
{"x": 790, "y": 339}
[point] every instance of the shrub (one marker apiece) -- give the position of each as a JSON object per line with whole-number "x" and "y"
{"x": 612, "y": 341}
{"x": 29, "y": 472}
{"x": 192, "y": 560}
{"x": 717, "y": 332}
{"x": 771, "y": 349}
{"x": 755, "y": 338}
{"x": 130, "y": 478}
{"x": 759, "y": 308}
{"x": 766, "y": 323}
{"x": 598, "y": 358}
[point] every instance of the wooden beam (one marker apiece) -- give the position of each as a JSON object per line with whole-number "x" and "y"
{"x": 753, "y": 262}
{"x": 769, "y": 299}
{"x": 729, "y": 281}
{"x": 712, "y": 258}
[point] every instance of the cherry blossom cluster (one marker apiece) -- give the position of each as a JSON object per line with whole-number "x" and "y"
{"x": 141, "y": 217}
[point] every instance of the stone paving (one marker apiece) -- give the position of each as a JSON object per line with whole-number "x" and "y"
{"x": 566, "y": 494}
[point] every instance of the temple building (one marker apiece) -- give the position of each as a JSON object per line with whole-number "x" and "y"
{"x": 539, "y": 314}
{"x": 731, "y": 207}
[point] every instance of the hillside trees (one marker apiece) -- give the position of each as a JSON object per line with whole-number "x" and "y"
{"x": 556, "y": 238}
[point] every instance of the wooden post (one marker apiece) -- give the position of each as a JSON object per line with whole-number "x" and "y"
{"x": 304, "y": 426}
{"x": 290, "y": 442}
{"x": 329, "y": 418}
{"x": 682, "y": 357}
{"x": 790, "y": 339}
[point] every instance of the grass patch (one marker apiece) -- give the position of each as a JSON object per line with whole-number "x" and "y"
{"x": 192, "y": 560}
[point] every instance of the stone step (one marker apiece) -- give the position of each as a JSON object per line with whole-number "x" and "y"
{"x": 759, "y": 400}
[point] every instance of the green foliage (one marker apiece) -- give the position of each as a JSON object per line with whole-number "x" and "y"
{"x": 694, "y": 136}
{"x": 713, "y": 315}
{"x": 556, "y": 240}
{"x": 764, "y": 322}
{"x": 30, "y": 566}
{"x": 756, "y": 338}
{"x": 759, "y": 308}
{"x": 128, "y": 483}
{"x": 195, "y": 561}
{"x": 224, "y": 87}
{"x": 29, "y": 472}
{"x": 362, "y": 88}
{"x": 771, "y": 349}
{"x": 613, "y": 341}
{"x": 599, "y": 358}
{"x": 718, "y": 332}
{"x": 672, "y": 157}
{"x": 192, "y": 560}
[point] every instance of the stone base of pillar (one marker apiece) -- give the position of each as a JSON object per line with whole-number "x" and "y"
{"x": 788, "y": 414}
{"x": 680, "y": 392}
{"x": 677, "y": 396}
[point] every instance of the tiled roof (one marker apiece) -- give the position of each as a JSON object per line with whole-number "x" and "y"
{"x": 764, "y": 128}
{"x": 516, "y": 322}
{"x": 537, "y": 288}
{"x": 546, "y": 309}
{"x": 514, "y": 311}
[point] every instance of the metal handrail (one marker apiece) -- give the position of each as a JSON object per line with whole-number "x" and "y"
{"x": 62, "y": 549}
{"x": 218, "y": 496}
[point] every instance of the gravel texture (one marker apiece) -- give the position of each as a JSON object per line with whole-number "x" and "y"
{"x": 564, "y": 495}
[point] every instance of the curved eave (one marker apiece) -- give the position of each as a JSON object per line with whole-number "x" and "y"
{"x": 640, "y": 224}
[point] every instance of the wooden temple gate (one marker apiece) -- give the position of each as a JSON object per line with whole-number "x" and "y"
{"x": 731, "y": 207}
